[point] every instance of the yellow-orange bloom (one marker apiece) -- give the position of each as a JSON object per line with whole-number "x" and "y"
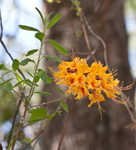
{"x": 83, "y": 80}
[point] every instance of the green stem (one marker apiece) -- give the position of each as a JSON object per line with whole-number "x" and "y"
{"x": 30, "y": 94}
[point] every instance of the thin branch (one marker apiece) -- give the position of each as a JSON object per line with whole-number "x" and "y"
{"x": 130, "y": 113}
{"x": 99, "y": 38}
{"x": 64, "y": 129}
{"x": 128, "y": 106}
{"x": 86, "y": 36}
{"x": 37, "y": 136}
{"x": 46, "y": 103}
{"x": 6, "y": 50}
{"x": 1, "y": 26}
{"x": 14, "y": 118}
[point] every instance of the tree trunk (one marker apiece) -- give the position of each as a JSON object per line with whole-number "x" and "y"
{"x": 85, "y": 130}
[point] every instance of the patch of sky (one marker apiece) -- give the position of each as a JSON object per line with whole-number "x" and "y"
{"x": 130, "y": 23}
{"x": 6, "y": 127}
{"x": 131, "y": 29}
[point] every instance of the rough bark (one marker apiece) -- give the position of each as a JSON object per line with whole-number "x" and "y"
{"x": 85, "y": 130}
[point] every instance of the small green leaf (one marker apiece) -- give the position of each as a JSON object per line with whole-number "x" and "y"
{"x": 52, "y": 115}
{"x": 39, "y": 36}
{"x": 59, "y": 112}
{"x": 26, "y": 61}
{"x": 27, "y": 101}
{"x": 18, "y": 83}
{"x": 2, "y": 67}
{"x": 64, "y": 106}
{"x": 18, "y": 77}
{"x": 15, "y": 64}
{"x": 44, "y": 76}
{"x": 60, "y": 90}
{"x": 5, "y": 82}
{"x": 28, "y": 28}
{"x": 58, "y": 47}
{"x": 28, "y": 82}
{"x": 11, "y": 143}
{"x": 43, "y": 21}
{"x": 53, "y": 58}
{"x": 36, "y": 78}
{"x": 30, "y": 74}
{"x": 54, "y": 20}
{"x": 31, "y": 52}
{"x": 6, "y": 73}
{"x": 27, "y": 140}
{"x": 9, "y": 86}
{"x": 37, "y": 114}
{"x": 43, "y": 93}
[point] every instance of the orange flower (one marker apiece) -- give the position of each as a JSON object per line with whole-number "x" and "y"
{"x": 83, "y": 80}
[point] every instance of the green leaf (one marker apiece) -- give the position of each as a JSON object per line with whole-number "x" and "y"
{"x": 31, "y": 52}
{"x": 43, "y": 21}
{"x": 60, "y": 90}
{"x": 15, "y": 64}
{"x": 28, "y": 82}
{"x": 36, "y": 78}
{"x": 5, "y": 82}
{"x": 52, "y": 115}
{"x": 43, "y": 75}
{"x": 39, "y": 36}
{"x": 27, "y": 101}
{"x": 43, "y": 93}
{"x": 58, "y": 47}
{"x": 54, "y": 20}
{"x": 37, "y": 114}
{"x": 26, "y": 61}
{"x": 27, "y": 140}
{"x": 64, "y": 106}
{"x": 28, "y": 28}
{"x": 59, "y": 112}
{"x": 9, "y": 86}
{"x": 53, "y": 58}
{"x": 2, "y": 67}
{"x": 29, "y": 74}
{"x": 11, "y": 143}
{"x": 18, "y": 83}
{"x": 19, "y": 78}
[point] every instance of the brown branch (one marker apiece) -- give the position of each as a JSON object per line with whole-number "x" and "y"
{"x": 86, "y": 36}
{"x": 64, "y": 129}
{"x": 1, "y": 26}
{"x": 46, "y": 103}
{"x": 14, "y": 118}
{"x": 128, "y": 106}
{"x": 98, "y": 38}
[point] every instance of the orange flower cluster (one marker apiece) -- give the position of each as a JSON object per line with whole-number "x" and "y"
{"x": 83, "y": 80}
